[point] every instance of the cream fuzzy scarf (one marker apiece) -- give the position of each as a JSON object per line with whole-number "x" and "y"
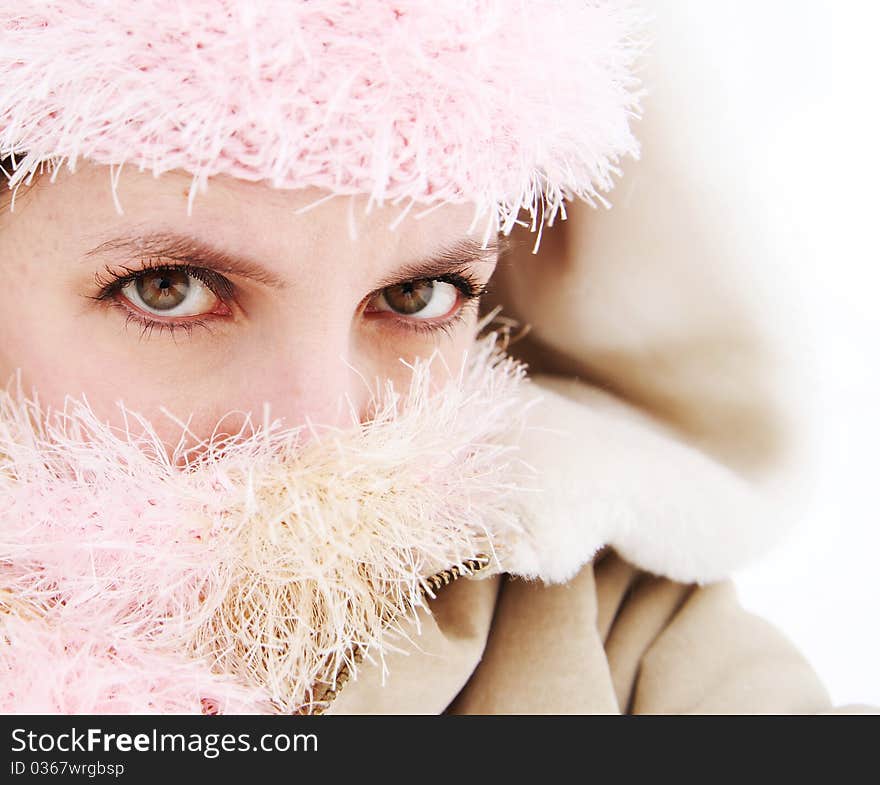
{"x": 247, "y": 579}
{"x": 242, "y": 580}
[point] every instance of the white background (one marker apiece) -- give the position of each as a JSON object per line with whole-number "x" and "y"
{"x": 814, "y": 69}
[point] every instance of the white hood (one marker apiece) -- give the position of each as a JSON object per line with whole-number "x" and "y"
{"x": 668, "y": 335}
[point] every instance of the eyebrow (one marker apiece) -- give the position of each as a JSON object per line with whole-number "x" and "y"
{"x": 185, "y": 249}
{"x": 458, "y": 254}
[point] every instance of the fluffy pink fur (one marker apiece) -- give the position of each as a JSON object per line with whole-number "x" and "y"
{"x": 508, "y": 104}
{"x": 239, "y": 575}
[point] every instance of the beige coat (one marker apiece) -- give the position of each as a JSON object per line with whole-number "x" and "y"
{"x": 613, "y": 640}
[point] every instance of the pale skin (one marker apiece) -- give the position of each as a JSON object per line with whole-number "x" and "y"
{"x": 303, "y": 335}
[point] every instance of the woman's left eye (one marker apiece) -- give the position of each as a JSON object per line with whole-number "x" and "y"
{"x": 427, "y": 305}
{"x": 426, "y": 299}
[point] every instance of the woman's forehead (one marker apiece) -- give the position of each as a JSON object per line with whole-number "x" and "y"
{"x": 273, "y": 231}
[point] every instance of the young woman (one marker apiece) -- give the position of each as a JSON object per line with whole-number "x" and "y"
{"x": 257, "y": 442}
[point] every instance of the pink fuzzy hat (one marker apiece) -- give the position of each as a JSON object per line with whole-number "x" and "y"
{"x": 504, "y": 104}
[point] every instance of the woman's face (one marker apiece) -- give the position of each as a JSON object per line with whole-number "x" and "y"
{"x": 244, "y": 302}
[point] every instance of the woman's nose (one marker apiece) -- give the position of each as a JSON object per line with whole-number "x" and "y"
{"x": 319, "y": 382}
{"x": 322, "y": 390}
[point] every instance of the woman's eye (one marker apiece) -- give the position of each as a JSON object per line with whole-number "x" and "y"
{"x": 170, "y": 293}
{"x": 426, "y": 299}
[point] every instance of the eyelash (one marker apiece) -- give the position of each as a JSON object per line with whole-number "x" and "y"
{"x": 110, "y": 283}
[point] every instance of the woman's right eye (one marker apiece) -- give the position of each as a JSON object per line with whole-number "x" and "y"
{"x": 170, "y": 292}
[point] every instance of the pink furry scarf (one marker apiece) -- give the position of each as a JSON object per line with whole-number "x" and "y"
{"x": 241, "y": 580}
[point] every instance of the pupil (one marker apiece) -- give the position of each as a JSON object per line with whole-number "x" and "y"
{"x": 163, "y": 291}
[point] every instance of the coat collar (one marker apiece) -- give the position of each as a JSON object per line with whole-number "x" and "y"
{"x": 605, "y": 473}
